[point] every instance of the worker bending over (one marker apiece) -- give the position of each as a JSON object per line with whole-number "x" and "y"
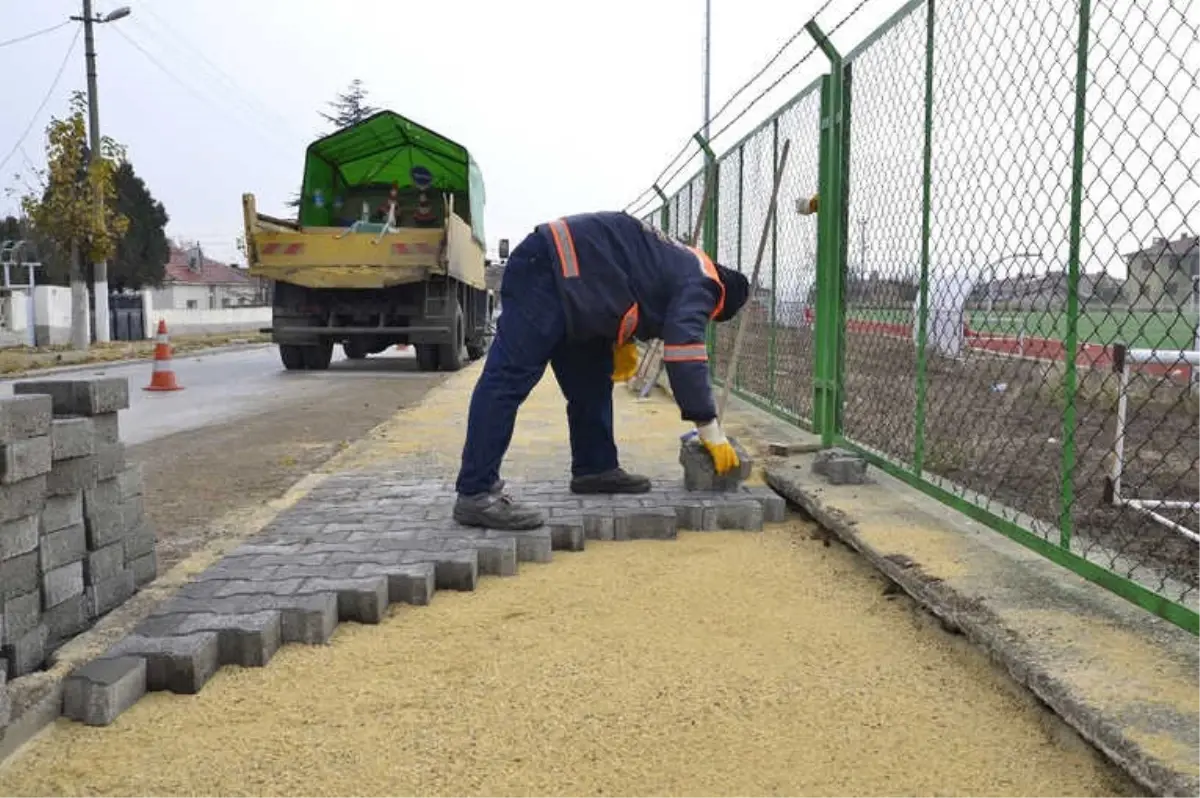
{"x": 576, "y": 293}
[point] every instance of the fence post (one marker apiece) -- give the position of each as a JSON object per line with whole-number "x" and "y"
{"x": 772, "y": 352}
{"x": 741, "y": 156}
{"x": 1071, "y": 376}
{"x": 709, "y": 239}
{"x": 830, "y": 252}
{"x": 665, "y": 212}
{"x": 923, "y": 285}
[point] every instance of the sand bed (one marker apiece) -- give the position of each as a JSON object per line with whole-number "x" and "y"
{"x": 719, "y": 664}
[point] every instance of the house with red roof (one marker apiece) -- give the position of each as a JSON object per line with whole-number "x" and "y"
{"x": 193, "y": 281}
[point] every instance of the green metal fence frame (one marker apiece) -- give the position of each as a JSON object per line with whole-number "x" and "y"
{"x": 830, "y": 323}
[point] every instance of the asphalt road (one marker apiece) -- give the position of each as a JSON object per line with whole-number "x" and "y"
{"x": 223, "y": 387}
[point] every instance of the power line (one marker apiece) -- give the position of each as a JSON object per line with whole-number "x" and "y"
{"x": 41, "y": 106}
{"x": 35, "y": 34}
{"x": 182, "y": 83}
{"x": 252, "y": 103}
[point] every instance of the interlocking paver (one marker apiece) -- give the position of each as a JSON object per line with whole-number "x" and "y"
{"x": 384, "y": 534}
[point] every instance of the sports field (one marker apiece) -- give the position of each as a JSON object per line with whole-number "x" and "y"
{"x": 1172, "y": 329}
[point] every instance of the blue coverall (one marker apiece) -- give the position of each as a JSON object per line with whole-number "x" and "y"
{"x": 572, "y": 289}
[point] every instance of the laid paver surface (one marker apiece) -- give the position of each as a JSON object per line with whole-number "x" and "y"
{"x": 718, "y": 663}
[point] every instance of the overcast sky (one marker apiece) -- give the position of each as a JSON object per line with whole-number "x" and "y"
{"x": 574, "y": 119}
{"x": 580, "y": 110}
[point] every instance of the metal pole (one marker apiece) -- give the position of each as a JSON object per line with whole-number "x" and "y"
{"x": 100, "y": 277}
{"x": 707, "y": 65}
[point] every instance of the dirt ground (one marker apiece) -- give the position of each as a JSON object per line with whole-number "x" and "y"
{"x": 994, "y": 425}
{"x": 628, "y": 669}
{"x": 201, "y": 479}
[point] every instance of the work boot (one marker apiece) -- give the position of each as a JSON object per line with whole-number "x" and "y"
{"x": 615, "y": 481}
{"x": 497, "y": 510}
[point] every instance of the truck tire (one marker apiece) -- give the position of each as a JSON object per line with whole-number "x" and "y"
{"x": 453, "y": 356}
{"x": 318, "y": 356}
{"x": 292, "y": 356}
{"x": 427, "y": 357}
{"x": 354, "y": 350}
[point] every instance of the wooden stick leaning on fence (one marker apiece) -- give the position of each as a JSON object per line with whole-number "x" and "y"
{"x": 731, "y": 369}
{"x": 652, "y": 363}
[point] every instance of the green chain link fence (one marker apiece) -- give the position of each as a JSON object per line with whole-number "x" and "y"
{"x": 997, "y": 301}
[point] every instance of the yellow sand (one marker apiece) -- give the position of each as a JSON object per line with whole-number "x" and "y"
{"x": 719, "y": 664}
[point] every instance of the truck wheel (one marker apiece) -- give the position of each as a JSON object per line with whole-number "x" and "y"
{"x": 317, "y": 356}
{"x": 427, "y": 357}
{"x": 354, "y": 350}
{"x": 292, "y": 356}
{"x": 452, "y": 356}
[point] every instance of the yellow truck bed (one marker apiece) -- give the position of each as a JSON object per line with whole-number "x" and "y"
{"x": 332, "y": 257}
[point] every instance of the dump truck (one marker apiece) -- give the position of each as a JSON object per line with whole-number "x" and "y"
{"x": 387, "y": 249}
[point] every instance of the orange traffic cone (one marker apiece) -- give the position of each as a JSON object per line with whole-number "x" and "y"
{"x": 163, "y": 378}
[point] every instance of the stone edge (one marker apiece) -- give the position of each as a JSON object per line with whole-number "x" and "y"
{"x": 987, "y": 629}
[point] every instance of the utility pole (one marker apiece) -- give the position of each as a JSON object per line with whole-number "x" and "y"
{"x": 100, "y": 277}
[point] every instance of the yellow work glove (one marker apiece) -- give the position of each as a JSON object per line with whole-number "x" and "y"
{"x": 724, "y": 456}
{"x": 625, "y": 362}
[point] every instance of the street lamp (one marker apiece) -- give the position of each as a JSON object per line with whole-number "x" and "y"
{"x": 100, "y": 277}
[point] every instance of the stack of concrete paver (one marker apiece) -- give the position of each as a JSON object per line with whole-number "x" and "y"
{"x": 74, "y": 543}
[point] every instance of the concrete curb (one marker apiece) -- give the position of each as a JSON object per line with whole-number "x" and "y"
{"x": 1031, "y": 659}
{"x": 103, "y": 364}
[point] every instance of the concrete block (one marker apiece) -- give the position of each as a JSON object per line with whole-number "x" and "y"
{"x": 308, "y": 619}
{"x": 18, "y": 576}
{"x": 104, "y": 563}
{"x": 24, "y": 417}
{"x": 690, "y": 515}
{"x": 597, "y": 525}
{"x": 62, "y": 584}
{"x": 80, "y": 397}
{"x": 181, "y": 664}
{"x": 23, "y": 498}
{"x": 62, "y": 511}
{"x": 774, "y": 507}
{"x": 71, "y": 476}
{"x": 698, "y": 472}
{"x": 745, "y": 515}
{"x": 139, "y": 543}
{"x": 110, "y": 460}
{"x": 145, "y": 569}
{"x": 457, "y": 570}
{"x": 72, "y": 436}
{"x": 130, "y": 481}
{"x": 67, "y": 619}
{"x": 5, "y": 701}
{"x": 104, "y": 596}
{"x": 27, "y": 653}
{"x": 24, "y": 459}
{"x": 133, "y": 513}
{"x": 498, "y": 556}
{"x": 106, "y": 428}
{"x": 645, "y": 523}
{"x": 98, "y": 692}
{"x": 61, "y": 547}
{"x": 21, "y": 615}
{"x": 533, "y": 545}
{"x": 567, "y": 534}
{"x": 102, "y": 495}
{"x": 245, "y": 639}
{"x": 19, "y": 536}
{"x": 361, "y": 600}
{"x": 407, "y": 584}
{"x": 840, "y": 467}
{"x": 104, "y": 527}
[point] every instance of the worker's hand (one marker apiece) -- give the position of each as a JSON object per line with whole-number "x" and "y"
{"x": 724, "y": 456}
{"x": 625, "y": 362}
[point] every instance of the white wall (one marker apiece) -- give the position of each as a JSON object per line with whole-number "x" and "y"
{"x": 191, "y": 322}
{"x": 52, "y": 315}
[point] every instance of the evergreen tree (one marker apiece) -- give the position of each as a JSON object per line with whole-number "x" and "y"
{"x": 349, "y": 108}
{"x": 142, "y": 253}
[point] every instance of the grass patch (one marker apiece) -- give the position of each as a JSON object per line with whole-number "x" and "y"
{"x": 19, "y": 360}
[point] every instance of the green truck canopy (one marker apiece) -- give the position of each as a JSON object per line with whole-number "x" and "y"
{"x": 381, "y": 150}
